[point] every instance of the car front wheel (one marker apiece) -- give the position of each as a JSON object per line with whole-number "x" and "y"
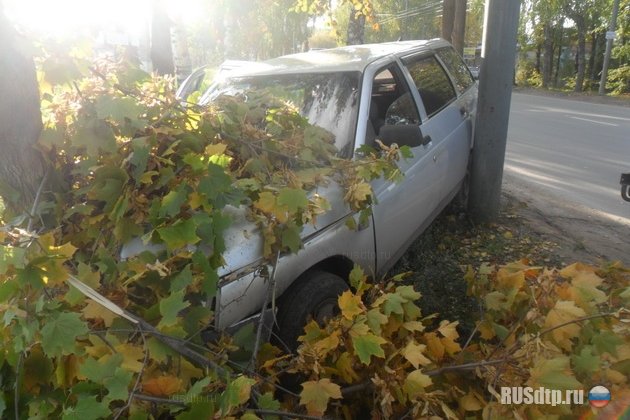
{"x": 311, "y": 297}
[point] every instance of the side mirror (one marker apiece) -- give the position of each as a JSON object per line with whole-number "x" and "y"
{"x": 403, "y": 135}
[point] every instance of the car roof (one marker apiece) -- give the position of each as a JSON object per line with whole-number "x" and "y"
{"x": 350, "y": 58}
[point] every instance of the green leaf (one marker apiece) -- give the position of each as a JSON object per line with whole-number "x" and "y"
{"x": 118, "y": 384}
{"x": 117, "y": 109}
{"x": 181, "y": 279}
{"x": 171, "y": 306}
{"x": 11, "y": 256}
{"x": 139, "y": 157}
{"x": 393, "y": 304}
{"x": 606, "y": 342}
{"x": 293, "y": 198}
{"x": 291, "y": 238}
{"x": 368, "y": 345}
{"x": 237, "y": 393}
{"x": 95, "y": 135}
{"x": 198, "y": 410}
{"x": 197, "y": 388}
{"x": 60, "y": 332}
{"x": 108, "y": 186}
{"x": 172, "y": 202}
{"x": 87, "y": 408}
{"x": 211, "y": 278}
{"x": 585, "y": 363}
{"x": 179, "y": 234}
{"x": 357, "y": 276}
{"x": 553, "y": 374}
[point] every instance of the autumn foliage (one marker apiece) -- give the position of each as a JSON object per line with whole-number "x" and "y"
{"x": 128, "y": 160}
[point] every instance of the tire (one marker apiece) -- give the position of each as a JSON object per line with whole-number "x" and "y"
{"x": 312, "y": 296}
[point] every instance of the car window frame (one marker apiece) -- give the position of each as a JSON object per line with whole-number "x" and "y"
{"x": 450, "y": 73}
{"x": 418, "y": 56}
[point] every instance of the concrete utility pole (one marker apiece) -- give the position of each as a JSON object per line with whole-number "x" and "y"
{"x": 609, "y": 44}
{"x": 493, "y": 108}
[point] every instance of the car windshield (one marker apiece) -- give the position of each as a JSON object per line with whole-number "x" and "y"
{"x": 327, "y": 100}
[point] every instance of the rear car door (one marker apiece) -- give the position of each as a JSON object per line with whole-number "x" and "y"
{"x": 444, "y": 120}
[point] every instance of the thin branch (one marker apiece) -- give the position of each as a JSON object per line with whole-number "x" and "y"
{"x": 465, "y": 366}
{"x": 261, "y": 322}
{"x": 16, "y": 395}
{"x": 145, "y": 362}
{"x": 263, "y": 412}
{"x": 38, "y": 195}
{"x": 159, "y": 400}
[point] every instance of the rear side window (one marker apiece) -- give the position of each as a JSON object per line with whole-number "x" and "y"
{"x": 432, "y": 82}
{"x": 456, "y": 67}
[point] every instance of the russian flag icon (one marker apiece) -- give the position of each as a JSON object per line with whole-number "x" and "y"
{"x": 599, "y": 396}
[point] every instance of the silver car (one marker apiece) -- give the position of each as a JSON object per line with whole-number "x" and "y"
{"x": 414, "y": 93}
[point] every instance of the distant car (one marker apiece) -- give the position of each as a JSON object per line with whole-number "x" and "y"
{"x": 202, "y": 78}
{"x": 414, "y": 93}
{"x": 625, "y": 186}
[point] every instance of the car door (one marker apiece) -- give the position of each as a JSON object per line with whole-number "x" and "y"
{"x": 445, "y": 121}
{"x": 402, "y": 208}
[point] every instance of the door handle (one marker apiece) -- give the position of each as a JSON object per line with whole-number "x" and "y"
{"x": 464, "y": 112}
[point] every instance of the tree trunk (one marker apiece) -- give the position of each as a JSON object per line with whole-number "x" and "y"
{"x": 459, "y": 26}
{"x": 356, "y": 28}
{"x": 22, "y": 166}
{"x": 581, "y": 53}
{"x": 537, "y": 65}
{"x": 448, "y": 19}
{"x": 560, "y": 38}
{"x": 591, "y": 59}
{"x": 161, "y": 45}
{"x": 548, "y": 55}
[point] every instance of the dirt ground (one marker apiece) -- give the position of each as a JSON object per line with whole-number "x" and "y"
{"x": 534, "y": 230}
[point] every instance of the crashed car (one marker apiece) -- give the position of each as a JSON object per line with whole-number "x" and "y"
{"x": 414, "y": 93}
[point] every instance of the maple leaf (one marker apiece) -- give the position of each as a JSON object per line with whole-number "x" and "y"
{"x": 415, "y": 383}
{"x": 553, "y": 374}
{"x": 162, "y": 386}
{"x": 368, "y": 345}
{"x": 316, "y": 394}
{"x": 414, "y": 353}
{"x": 293, "y": 198}
{"x": 171, "y": 306}
{"x": 350, "y": 305}
{"x": 60, "y": 332}
{"x": 564, "y": 311}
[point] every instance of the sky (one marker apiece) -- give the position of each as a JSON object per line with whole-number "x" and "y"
{"x": 69, "y": 18}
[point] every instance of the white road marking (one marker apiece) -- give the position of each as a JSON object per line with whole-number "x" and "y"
{"x": 593, "y": 121}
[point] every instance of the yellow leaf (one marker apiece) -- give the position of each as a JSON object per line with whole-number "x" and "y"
{"x": 266, "y": 202}
{"x": 345, "y": 368}
{"x": 564, "y": 311}
{"x": 328, "y": 344}
{"x": 350, "y": 305}
{"x": 195, "y": 200}
{"x": 94, "y": 310}
{"x": 509, "y": 279}
{"x": 615, "y": 377}
{"x": 215, "y": 149}
{"x": 486, "y": 329}
{"x": 584, "y": 289}
{"x": 415, "y": 383}
{"x": 316, "y": 394}
{"x": 436, "y": 348}
{"x": 471, "y": 402}
{"x": 132, "y": 356}
{"x": 448, "y": 329}
{"x": 162, "y": 386}
{"x": 414, "y": 353}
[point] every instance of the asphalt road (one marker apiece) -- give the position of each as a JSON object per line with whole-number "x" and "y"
{"x": 570, "y": 152}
